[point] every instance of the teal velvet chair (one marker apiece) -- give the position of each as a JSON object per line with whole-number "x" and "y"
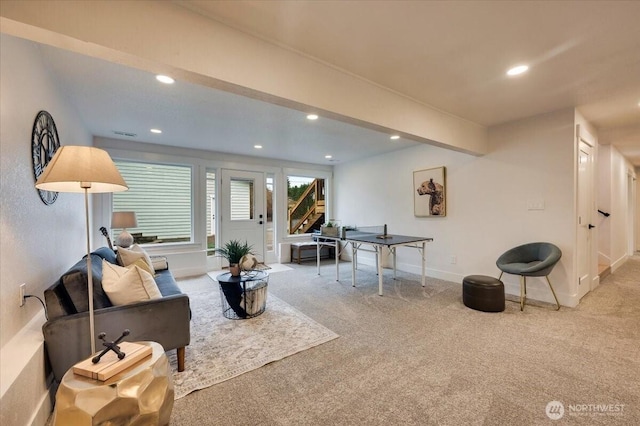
{"x": 530, "y": 260}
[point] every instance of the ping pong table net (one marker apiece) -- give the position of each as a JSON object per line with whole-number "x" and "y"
{"x": 379, "y": 231}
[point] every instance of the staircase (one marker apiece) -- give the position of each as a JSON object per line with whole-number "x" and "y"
{"x": 306, "y": 214}
{"x": 313, "y": 223}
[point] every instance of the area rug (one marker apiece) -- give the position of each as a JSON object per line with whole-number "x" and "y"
{"x": 221, "y": 348}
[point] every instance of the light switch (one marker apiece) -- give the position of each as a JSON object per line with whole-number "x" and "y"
{"x": 535, "y": 204}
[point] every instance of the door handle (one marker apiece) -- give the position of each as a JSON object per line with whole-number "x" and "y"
{"x": 591, "y": 226}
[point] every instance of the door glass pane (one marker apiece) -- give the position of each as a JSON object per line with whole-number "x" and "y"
{"x": 211, "y": 213}
{"x": 269, "y": 198}
{"x": 242, "y": 196}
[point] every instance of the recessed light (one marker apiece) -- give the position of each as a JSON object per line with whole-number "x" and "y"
{"x": 394, "y": 137}
{"x": 312, "y": 117}
{"x": 328, "y": 157}
{"x": 257, "y": 146}
{"x": 517, "y": 70}
{"x": 165, "y": 79}
{"x": 158, "y": 131}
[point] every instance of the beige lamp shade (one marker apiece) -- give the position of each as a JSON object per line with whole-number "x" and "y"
{"x": 123, "y": 220}
{"x": 83, "y": 169}
{"x": 80, "y": 168}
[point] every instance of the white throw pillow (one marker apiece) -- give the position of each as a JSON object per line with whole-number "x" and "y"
{"x": 128, "y": 256}
{"x": 128, "y": 285}
{"x": 140, "y": 263}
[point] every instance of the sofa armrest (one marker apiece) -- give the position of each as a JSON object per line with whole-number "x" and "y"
{"x": 164, "y": 320}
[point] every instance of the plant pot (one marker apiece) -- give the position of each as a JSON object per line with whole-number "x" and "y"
{"x": 234, "y": 269}
{"x": 329, "y": 231}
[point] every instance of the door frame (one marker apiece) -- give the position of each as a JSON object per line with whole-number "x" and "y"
{"x": 593, "y": 279}
{"x": 259, "y": 219}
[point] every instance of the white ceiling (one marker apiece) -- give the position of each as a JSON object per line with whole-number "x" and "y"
{"x": 113, "y": 98}
{"x": 450, "y": 55}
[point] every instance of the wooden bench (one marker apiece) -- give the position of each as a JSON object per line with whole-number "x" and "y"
{"x": 306, "y": 250}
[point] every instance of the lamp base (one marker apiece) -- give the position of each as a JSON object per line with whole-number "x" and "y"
{"x": 124, "y": 240}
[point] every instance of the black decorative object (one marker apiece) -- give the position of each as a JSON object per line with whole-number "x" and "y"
{"x": 44, "y": 143}
{"x": 106, "y": 235}
{"x": 110, "y": 346}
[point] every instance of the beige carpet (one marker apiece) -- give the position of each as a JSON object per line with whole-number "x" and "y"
{"x": 221, "y": 348}
{"x": 418, "y": 356}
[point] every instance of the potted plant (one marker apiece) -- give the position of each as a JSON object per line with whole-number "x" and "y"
{"x": 233, "y": 251}
{"x": 330, "y": 229}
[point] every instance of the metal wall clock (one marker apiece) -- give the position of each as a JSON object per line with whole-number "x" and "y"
{"x": 44, "y": 143}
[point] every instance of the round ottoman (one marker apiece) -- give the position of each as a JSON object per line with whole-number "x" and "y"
{"x": 483, "y": 293}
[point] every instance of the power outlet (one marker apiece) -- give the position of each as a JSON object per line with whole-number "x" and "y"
{"x": 453, "y": 260}
{"x": 23, "y": 289}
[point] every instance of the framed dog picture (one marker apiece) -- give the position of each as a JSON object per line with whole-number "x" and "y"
{"x": 429, "y": 192}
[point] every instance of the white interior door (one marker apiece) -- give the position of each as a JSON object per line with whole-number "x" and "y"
{"x": 242, "y": 207}
{"x": 585, "y": 265}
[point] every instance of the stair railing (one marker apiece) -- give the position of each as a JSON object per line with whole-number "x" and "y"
{"x": 306, "y": 206}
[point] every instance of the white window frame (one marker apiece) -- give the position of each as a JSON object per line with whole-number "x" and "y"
{"x": 309, "y": 173}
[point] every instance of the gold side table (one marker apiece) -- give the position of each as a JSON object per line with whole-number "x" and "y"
{"x": 140, "y": 395}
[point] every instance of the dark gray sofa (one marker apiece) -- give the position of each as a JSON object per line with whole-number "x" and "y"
{"x": 66, "y": 333}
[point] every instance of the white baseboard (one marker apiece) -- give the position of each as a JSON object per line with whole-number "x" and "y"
{"x": 538, "y": 289}
{"x": 43, "y": 411}
{"x": 618, "y": 263}
{"x": 24, "y": 396}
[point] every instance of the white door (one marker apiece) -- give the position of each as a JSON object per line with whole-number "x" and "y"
{"x": 242, "y": 207}
{"x": 585, "y": 212}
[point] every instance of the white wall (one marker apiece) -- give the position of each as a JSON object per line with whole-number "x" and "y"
{"x": 613, "y": 197}
{"x": 603, "y": 223}
{"x": 620, "y": 212}
{"x": 637, "y": 208}
{"x": 487, "y": 198}
{"x": 37, "y": 242}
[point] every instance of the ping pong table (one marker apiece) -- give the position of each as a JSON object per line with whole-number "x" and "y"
{"x": 375, "y": 237}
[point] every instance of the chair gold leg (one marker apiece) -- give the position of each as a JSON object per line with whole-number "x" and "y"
{"x": 554, "y": 293}
{"x": 523, "y": 286}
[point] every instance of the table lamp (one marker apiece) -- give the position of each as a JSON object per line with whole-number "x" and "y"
{"x": 124, "y": 220}
{"x": 83, "y": 169}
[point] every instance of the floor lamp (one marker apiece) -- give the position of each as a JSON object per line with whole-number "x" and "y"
{"x": 88, "y": 170}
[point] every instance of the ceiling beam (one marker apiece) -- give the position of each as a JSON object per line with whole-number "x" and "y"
{"x": 165, "y": 37}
